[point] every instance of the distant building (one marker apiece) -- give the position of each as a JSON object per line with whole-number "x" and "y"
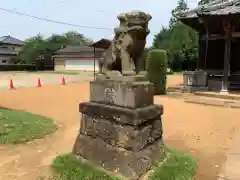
{"x": 218, "y": 65}
{"x": 9, "y": 48}
{"x": 77, "y": 58}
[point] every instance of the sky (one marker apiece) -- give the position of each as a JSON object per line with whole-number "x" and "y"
{"x": 93, "y": 13}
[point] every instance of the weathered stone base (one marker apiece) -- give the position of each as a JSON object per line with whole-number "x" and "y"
{"x": 118, "y": 160}
{"x": 121, "y": 128}
{"x": 133, "y": 138}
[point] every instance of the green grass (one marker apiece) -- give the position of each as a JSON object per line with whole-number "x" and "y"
{"x": 19, "y": 126}
{"x": 178, "y": 166}
{"x": 68, "y": 167}
{"x": 64, "y": 72}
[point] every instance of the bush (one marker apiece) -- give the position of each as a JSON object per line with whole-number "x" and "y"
{"x": 157, "y": 69}
{"x": 17, "y": 67}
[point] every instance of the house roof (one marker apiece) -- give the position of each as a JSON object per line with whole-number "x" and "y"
{"x": 78, "y": 49}
{"x": 7, "y": 51}
{"x": 215, "y": 8}
{"x": 11, "y": 40}
{"x": 102, "y": 43}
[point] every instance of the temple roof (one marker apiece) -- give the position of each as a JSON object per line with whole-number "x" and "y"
{"x": 215, "y": 8}
{"x": 102, "y": 43}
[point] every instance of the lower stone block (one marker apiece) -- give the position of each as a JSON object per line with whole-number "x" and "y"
{"x": 119, "y": 160}
{"x": 121, "y": 115}
{"x": 133, "y": 138}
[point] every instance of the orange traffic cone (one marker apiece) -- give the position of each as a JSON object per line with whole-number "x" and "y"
{"x": 39, "y": 83}
{"x": 11, "y": 86}
{"x": 63, "y": 81}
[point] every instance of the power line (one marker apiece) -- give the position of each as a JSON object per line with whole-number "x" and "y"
{"x": 53, "y": 21}
{"x": 98, "y": 10}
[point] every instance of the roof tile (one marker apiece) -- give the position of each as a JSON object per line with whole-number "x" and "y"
{"x": 217, "y": 7}
{"x": 11, "y": 40}
{"x": 77, "y": 49}
{"x": 7, "y": 51}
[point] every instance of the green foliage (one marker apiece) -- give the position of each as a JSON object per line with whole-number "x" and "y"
{"x": 157, "y": 69}
{"x": 162, "y": 39}
{"x": 35, "y": 46}
{"x": 68, "y": 167}
{"x": 181, "y": 6}
{"x": 19, "y": 126}
{"x": 180, "y": 42}
{"x": 17, "y": 67}
{"x": 204, "y": 1}
{"x": 179, "y": 166}
{"x": 32, "y": 49}
{"x": 15, "y": 60}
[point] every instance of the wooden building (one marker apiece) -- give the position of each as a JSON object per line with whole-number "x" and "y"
{"x": 76, "y": 58}
{"x": 218, "y": 26}
{"x": 101, "y": 44}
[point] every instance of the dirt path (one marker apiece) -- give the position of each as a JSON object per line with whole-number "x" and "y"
{"x": 230, "y": 170}
{"x": 28, "y": 161}
{"x": 206, "y": 132}
{"x": 24, "y": 79}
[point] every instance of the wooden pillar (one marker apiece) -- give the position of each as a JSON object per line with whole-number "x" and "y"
{"x": 199, "y": 51}
{"x": 94, "y": 62}
{"x": 206, "y": 47}
{"x": 226, "y": 69}
{"x": 206, "y": 33}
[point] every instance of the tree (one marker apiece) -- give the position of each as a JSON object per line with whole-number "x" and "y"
{"x": 181, "y": 6}
{"x": 76, "y": 38}
{"x": 179, "y": 40}
{"x": 204, "y": 2}
{"x": 35, "y": 46}
{"x": 31, "y": 49}
{"x": 162, "y": 39}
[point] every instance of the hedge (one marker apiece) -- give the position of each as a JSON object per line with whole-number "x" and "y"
{"x": 24, "y": 67}
{"x": 157, "y": 69}
{"x": 17, "y": 67}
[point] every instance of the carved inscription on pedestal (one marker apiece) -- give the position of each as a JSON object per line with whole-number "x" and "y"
{"x": 190, "y": 81}
{"x": 110, "y": 95}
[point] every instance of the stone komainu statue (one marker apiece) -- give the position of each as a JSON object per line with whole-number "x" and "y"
{"x": 128, "y": 44}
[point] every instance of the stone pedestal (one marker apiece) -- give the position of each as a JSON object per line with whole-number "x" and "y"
{"x": 121, "y": 128}
{"x": 195, "y": 81}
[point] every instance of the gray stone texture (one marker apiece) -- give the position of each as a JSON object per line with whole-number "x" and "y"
{"x": 195, "y": 78}
{"x": 133, "y": 138}
{"x": 116, "y": 76}
{"x": 119, "y": 160}
{"x": 121, "y": 128}
{"x": 120, "y": 93}
{"x": 195, "y": 81}
{"x": 127, "y": 47}
{"x": 121, "y": 132}
{"x": 121, "y": 115}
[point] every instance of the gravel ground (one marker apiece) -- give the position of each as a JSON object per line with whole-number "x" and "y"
{"x": 25, "y": 79}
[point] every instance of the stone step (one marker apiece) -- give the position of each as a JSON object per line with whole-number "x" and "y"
{"x": 175, "y": 89}
{"x": 230, "y": 96}
{"x": 213, "y": 102}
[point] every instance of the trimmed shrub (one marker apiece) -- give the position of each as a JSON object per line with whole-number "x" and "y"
{"x": 17, "y": 67}
{"x": 157, "y": 69}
